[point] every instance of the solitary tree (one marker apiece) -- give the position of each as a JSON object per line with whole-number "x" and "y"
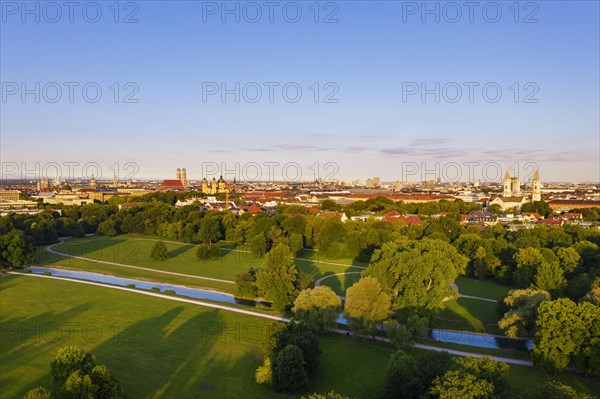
{"x": 159, "y": 251}
{"x": 277, "y": 280}
{"x": 318, "y": 307}
{"x": 366, "y": 305}
{"x": 417, "y": 273}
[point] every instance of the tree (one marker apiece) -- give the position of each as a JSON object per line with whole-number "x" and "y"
{"x": 431, "y": 365}
{"x": 79, "y": 386}
{"x": 259, "y": 245}
{"x": 108, "y": 227}
{"x": 366, "y": 305}
{"x": 69, "y": 359}
{"x": 38, "y": 393}
{"x": 567, "y": 332}
{"x": 540, "y": 207}
{"x": 457, "y": 384}
{"x": 108, "y": 387}
{"x": 404, "y": 334}
{"x": 304, "y": 338}
{"x": 296, "y": 243}
{"x": 264, "y": 374}
{"x": 277, "y": 280}
{"x": 246, "y": 285}
{"x": 318, "y": 307}
{"x": 159, "y": 251}
{"x": 295, "y": 224}
{"x": 208, "y": 251}
{"x": 16, "y": 249}
{"x": 569, "y": 259}
{"x": 289, "y": 373}
{"x": 519, "y": 320}
{"x": 210, "y": 230}
{"x": 487, "y": 369}
{"x": 331, "y": 234}
{"x": 527, "y": 260}
{"x": 549, "y": 277}
{"x": 269, "y": 341}
{"x": 417, "y": 273}
{"x": 593, "y": 295}
{"x": 401, "y": 377}
{"x": 557, "y": 390}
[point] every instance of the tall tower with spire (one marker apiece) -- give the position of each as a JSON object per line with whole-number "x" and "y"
{"x": 184, "y": 180}
{"x": 115, "y": 181}
{"x": 536, "y": 195}
{"x": 507, "y": 192}
{"x": 93, "y": 181}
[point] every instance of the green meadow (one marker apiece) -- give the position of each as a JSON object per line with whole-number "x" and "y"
{"x": 163, "y": 349}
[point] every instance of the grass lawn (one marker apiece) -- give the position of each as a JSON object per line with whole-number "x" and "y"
{"x": 135, "y": 251}
{"x": 163, "y": 349}
{"x": 157, "y": 348}
{"x": 471, "y": 315}
{"x": 484, "y": 289}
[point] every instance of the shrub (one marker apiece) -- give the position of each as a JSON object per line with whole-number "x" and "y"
{"x": 159, "y": 251}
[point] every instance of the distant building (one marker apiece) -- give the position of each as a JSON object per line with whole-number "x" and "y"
{"x": 512, "y": 194}
{"x": 42, "y": 184}
{"x": 215, "y": 186}
{"x": 567, "y": 205}
{"x": 480, "y": 217}
{"x": 512, "y": 186}
{"x": 536, "y": 195}
{"x": 172, "y": 185}
{"x": 10, "y": 195}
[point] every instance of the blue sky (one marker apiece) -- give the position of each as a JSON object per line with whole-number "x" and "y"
{"x": 370, "y": 57}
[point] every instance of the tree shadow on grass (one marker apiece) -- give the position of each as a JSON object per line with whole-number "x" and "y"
{"x": 27, "y": 342}
{"x": 179, "y": 250}
{"x": 165, "y": 356}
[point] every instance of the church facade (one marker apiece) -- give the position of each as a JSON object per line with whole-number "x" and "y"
{"x": 512, "y": 194}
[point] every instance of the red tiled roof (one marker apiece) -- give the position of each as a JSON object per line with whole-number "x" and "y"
{"x": 171, "y": 183}
{"x": 534, "y": 214}
{"x": 395, "y": 216}
{"x": 253, "y": 209}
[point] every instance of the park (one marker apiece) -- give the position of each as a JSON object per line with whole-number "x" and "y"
{"x": 183, "y": 349}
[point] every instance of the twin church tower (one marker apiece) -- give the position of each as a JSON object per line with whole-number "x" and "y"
{"x": 512, "y": 187}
